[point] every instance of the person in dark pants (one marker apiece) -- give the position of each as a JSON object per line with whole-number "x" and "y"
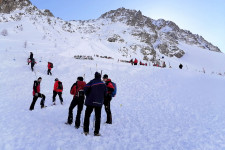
{"x": 49, "y": 69}
{"x": 31, "y": 57}
{"x": 32, "y": 61}
{"x": 108, "y": 98}
{"x": 58, "y": 88}
{"x": 36, "y": 94}
{"x": 77, "y": 90}
{"x": 95, "y": 91}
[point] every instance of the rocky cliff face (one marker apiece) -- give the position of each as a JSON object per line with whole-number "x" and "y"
{"x": 162, "y": 35}
{"x": 8, "y": 6}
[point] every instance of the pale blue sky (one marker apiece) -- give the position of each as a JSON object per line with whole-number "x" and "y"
{"x": 203, "y": 17}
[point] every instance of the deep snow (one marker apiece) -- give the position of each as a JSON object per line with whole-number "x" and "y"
{"x": 155, "y": 108}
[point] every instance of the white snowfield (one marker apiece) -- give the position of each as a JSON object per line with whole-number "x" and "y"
{"x": 154, "y": 109}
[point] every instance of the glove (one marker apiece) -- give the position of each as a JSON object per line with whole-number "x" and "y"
{"x": 36, "y": 94}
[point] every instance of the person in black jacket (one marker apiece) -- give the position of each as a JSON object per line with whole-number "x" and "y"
{"x": 31, "y": 57}
{"x": 180, "y": 66}
{"x": 95, "y": 92}
{"x": 33, "y": 62}
{"x": 108, "y": 98}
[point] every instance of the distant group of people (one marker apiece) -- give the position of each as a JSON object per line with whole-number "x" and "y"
{"x": 160, "y": 64}
{"x": 134, "y": 62}
{"x": 93, "y": 94}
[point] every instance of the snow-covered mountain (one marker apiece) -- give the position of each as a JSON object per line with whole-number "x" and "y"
{"x": 120, "y": 32}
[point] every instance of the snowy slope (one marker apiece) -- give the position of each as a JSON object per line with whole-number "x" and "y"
{"x": 155, "y": 108}
{"x": 39, "y": 33}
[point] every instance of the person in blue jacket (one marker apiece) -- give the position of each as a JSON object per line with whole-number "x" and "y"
{"x": 95, "y": 92}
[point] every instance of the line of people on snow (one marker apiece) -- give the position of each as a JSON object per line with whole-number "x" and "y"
{"x": 135, "y": 62}
{"x": 93, "y": 94}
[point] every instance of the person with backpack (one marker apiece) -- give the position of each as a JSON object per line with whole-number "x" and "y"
{"x": 50, "y": 66}
{"x": 33, "y": 62}
{"x": 57, "y": 90}
{"x": 36, "y": 94}
{"x": 135, "y": 61}
{"x": 95, "y": 91}
{"x": 108, "y": 98}
{"x": 77, "y": 90}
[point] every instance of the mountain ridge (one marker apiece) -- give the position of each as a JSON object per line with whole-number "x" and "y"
{"x": 152, "y": 38}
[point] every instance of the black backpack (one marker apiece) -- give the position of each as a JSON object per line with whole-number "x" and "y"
{"x": 81, "y": 93}
{"x": 51, "y": 64}
{"x": 60, "y": 86}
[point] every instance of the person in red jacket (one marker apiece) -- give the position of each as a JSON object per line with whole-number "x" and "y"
{"x": 77, "y": 90}
{"x": 36, "y": 94}
{"x": 57, "y": 90}
{"x": 135, "y": 61}
{"x": 108, "y": 98}
{"x": 49, "y": 68}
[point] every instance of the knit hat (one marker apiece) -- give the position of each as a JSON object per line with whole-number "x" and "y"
{"x": 80, "y": 78}
{"x": 105, "y": 76}
{"x": 97, "y": 75}
{"x": 56, "y": 79}
{"x": 39, "y": 78}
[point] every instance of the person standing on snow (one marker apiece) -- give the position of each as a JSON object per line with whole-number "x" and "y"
{"x": 32, "y": 61}
{"x": 95, "y": 91}
{"x": 131, "y": 61}
{"x": 135, "y": 61}
{"x": 49, "y": 68}
{"x": 57, "y": 90}
{"x": 78, "y": 99}
{"x": 180, "y": 66}
{"x": 31, "y": 57}
{"x": 36, "y": 94}
{"x": 108, "y": 98}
